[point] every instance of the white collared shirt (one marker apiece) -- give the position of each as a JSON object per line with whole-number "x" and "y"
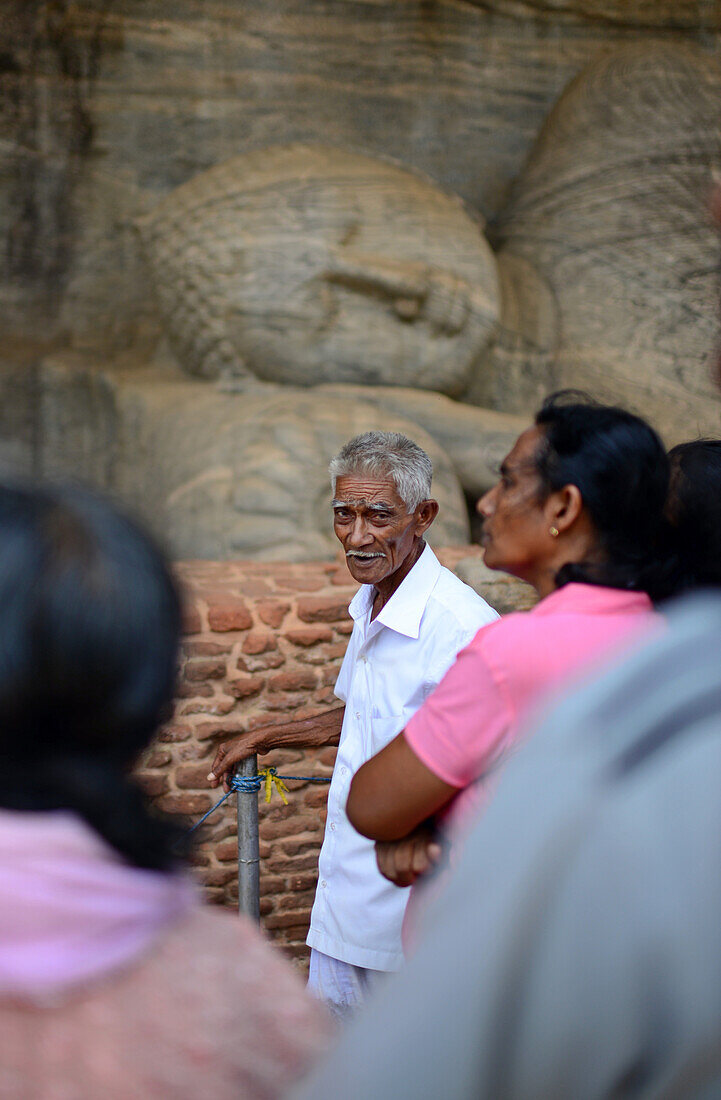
{"x": 390, "y": 668}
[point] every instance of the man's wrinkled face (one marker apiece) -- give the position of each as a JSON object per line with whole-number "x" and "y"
{"x": 374, "y": 526}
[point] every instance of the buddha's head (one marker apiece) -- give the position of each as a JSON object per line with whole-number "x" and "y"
{"x": 301, "y": 264}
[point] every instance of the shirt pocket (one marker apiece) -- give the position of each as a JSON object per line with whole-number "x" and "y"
{"x": 383, "y": 730}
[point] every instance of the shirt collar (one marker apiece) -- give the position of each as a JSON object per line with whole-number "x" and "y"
{"x": 404, "y": 610}
{"x": 594, "y": 598}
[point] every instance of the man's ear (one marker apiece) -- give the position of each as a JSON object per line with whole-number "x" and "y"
{"x": 425, "y": 513}
{"x": 564, "y": 507}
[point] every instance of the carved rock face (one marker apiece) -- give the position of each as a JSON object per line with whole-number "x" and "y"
{"x": 303, "y": 264}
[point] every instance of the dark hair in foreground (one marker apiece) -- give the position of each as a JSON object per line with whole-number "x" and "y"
{"x": 694, "y": 510}
{"x": 620, "y": 466}
{"x": 89, "y": 634}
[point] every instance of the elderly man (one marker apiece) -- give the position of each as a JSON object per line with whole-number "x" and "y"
{"x": 411, "y": 616}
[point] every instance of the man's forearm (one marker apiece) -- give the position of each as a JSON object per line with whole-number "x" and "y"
{"x": 311, "y": 733}
{"x": 302, "y": 733}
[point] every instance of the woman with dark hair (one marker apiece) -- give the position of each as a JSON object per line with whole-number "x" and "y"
{"x": 578, "y": 514}
{"x": 694, "y": 511}
{"x": 114, "y": 982}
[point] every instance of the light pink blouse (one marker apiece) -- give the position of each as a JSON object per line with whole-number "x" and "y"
{"x": 477, "y": 711}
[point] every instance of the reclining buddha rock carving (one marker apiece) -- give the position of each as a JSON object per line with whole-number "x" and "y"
{"x": 328, "y": 278}
{"x": 305, "y": 264}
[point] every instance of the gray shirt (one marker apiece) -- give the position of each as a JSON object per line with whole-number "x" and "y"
{"x": 577, "y": 951}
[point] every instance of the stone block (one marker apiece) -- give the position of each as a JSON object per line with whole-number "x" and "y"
{"x": 310, "y": 635}
{"x": 322, "y": 609}
{"x": 225, "y": 613}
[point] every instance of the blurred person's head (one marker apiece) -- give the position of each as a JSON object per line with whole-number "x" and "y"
{"x": 581, "y": 498}
{"x": 89, "y": 634}
{"x": 694, "y": 510}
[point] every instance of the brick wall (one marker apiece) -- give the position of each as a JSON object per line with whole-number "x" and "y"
{"x": 262, "y": 641}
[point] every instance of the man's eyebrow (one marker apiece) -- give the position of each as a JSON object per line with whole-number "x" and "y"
{"x": 372, "y": 506}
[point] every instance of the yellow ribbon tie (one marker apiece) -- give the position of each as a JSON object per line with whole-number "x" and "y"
{"x": 272, "y": 779}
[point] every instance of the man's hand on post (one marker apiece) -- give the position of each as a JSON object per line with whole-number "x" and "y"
{"x": 305, "y": 733}
{"x": 403, "y": 861}
{"x": 230, "y": 753}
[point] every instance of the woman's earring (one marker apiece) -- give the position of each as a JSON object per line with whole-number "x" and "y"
{"x": 553, "y": 532}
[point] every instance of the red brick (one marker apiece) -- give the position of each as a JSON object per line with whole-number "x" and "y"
{"x": 288, "y": 920}
{"x": 326, "y": 697}
{"x": 260, "y": 663}
{"x": 293, "y": 681}
{"x": 192, "y": 751}
{"x": 220, "y": 705}
{"x": 303, "y": 882}
{"x": 244, "y": 686}
{"x": 192, "y": 691}
{"x": 212, "y": 706}
{"x": 300, "y": 863}
{"x": 272, "y": 884}
{"x": 273, "y": 829}
{"x": 228, "y": 613}
{"x": 192, "y": 622}
{"x": 152, "y": 784}
{"x": 255, "y": 588}
{"x": 299, "y": 582}
{"x": 185, "y": 803}
{"x": 310, "y": 635}
{"x": 192, "y": 776}
{"x": 327, "y": 756}
{"x": 259, "y": 641}
{"x": 266, "y": 906}
{"x": 226, "y": 851}
{"x": 295, "y": 900}
{"x": 199, "y": 669}
{"x": 322, "y": 609}
{"x": 343, "y": 628}
{"x": 157, "y": 758}
{"x": 205, "y": 649}
{"x": 214, "y": 896}
{"x": 281, "y": 758}
{"x": 173, "y": 733}
{"x": 224, "y": 729}
{"x": 281, "y": 701}
{"x": 316, "y": 796}
{"x": 198, "y": 859}
{"x": 272, "y": 612}
{"x": 219, "y": 876}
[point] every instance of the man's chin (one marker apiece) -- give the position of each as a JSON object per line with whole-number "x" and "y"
{"x": 368, "y": 570}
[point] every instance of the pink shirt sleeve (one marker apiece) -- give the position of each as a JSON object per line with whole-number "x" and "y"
{"x": 463, "y": 726}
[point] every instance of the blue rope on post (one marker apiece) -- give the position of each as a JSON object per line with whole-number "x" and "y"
{"x": 251, "y": 783}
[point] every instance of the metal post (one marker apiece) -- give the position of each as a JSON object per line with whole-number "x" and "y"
{"x": 248, "y": 848}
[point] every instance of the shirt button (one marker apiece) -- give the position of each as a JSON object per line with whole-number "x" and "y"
{"x": 332, "y": 825}
{"x": 357, "y": 714}
{"x": 343, "y": 771}
{"x": 323, "y": 883}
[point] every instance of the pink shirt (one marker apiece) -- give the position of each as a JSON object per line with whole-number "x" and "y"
{"x": 478, "y": 709}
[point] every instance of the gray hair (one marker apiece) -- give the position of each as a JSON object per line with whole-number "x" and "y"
{"x": 391, "y": 455}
